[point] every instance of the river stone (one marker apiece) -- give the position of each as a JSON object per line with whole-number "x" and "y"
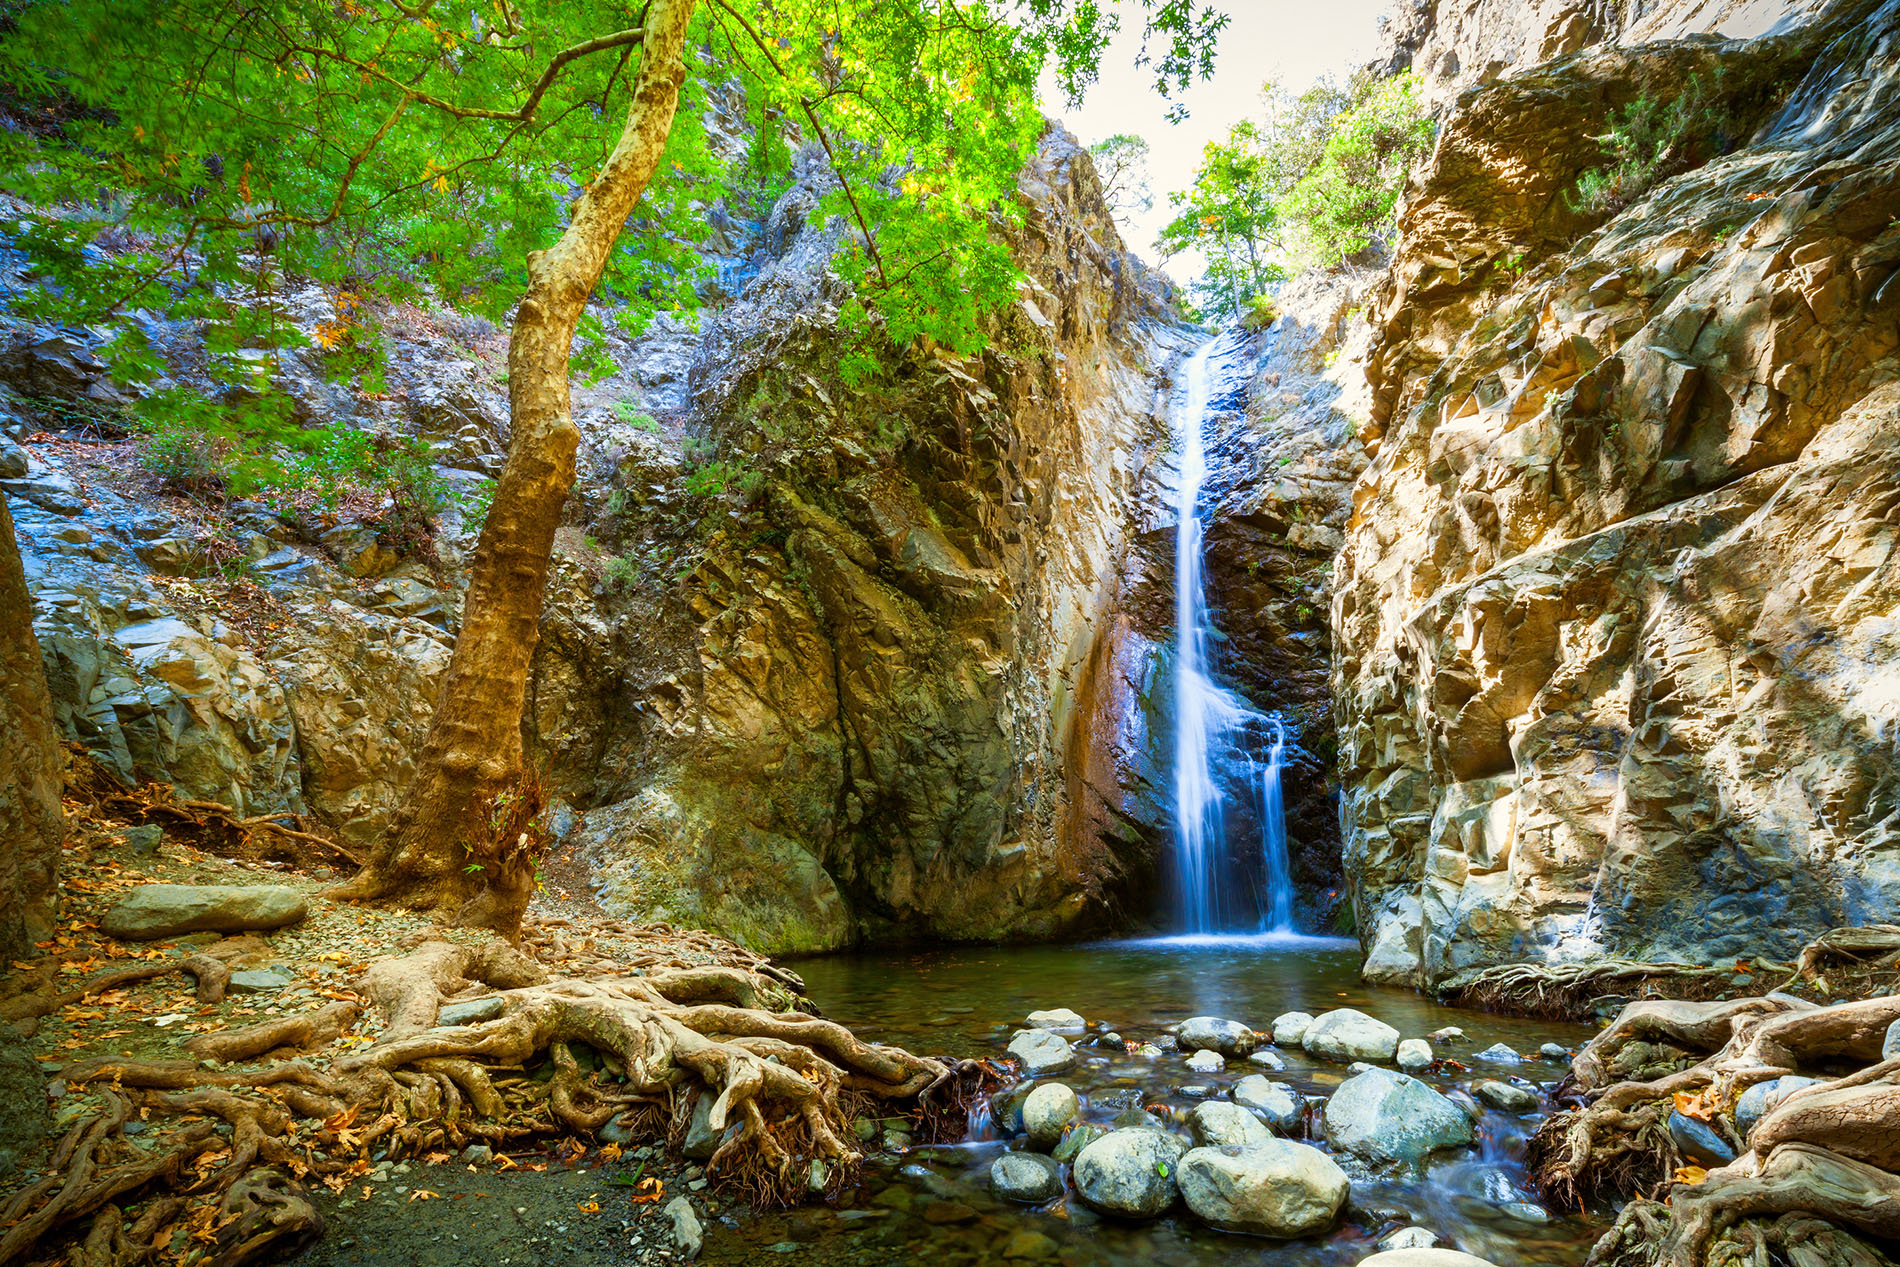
{"x": 256, "y": 981}
{"x": 1290, "y": 1027}
{"x": 1218, "y": 1123}
{"x": 1273, "y": 1188}
{"x": 702, "y": 1141}
{"x": 1505, "y": 1097}
{"x": 1027, "y": 1177}
{"x": 1129, "y": 1172}
{"x": 687, "y": 1232}
{"x": 1409, "y": 1238}
{"x": 1211, "y": 1033}
{"x": 1267, "y": 1060}
{"x": 1449, "y": 1034}
{"x": 1414, "y": 1054}
{"x": 1756, "y": 1102}
{"x": 1500, "y": 1052}
{"x": 1278, "y": 1102}
{"x": 1424, "y": 1258}
{"x": 1384, "y": 1116}
{"x": 1047, "y": 1113}
{"x": 1041, "y": 1051}
{"x": 1057, "y": 1018}
{"x": 1554, "y": 1051}
{"x": 1207, "y": 1062}
{"x": 1890, "y": 1046}
{"x": 165, "y": 910}
{"x": 470, "y": 1011}
{"x": 1699, "y": 1142}
{"x": 1345, "y": 1034}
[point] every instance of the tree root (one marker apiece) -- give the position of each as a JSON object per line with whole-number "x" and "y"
{"x": 780, "y": 1090}
{"x": 1570, "y": 991}
{"x": 1815, "y": 1175}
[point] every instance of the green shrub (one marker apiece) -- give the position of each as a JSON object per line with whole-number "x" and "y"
{"x": 1260, "y": 313}
{"x": 1648, "y": 141}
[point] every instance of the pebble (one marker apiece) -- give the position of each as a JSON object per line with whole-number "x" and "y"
{"x": 1415, "y": 1054}
{"x": 688, "y": 1234}
{"x": 1699, "y": 1141}
{"x": 1501, "y": 1053}
{"x": 1207, "y": 1062}
{"x": 1267, "y": 1060}
{"x": 1554, "y": 1051}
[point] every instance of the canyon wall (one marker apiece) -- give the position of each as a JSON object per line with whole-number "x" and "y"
{"x": 1615, "y": 647}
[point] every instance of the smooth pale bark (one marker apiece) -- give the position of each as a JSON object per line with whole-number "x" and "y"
{"x": 440, "y": 852}
{"x": 32, "y": 824}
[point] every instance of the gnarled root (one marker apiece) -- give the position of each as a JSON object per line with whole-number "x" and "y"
{"x": 779, "y": 1089}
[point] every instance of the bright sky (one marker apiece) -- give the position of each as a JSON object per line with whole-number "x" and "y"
{"x": 1290, "y": 42}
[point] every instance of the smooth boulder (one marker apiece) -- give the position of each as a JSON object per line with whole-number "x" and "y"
{"x": 1129, "y": 1173}
{"x": 1271, "y": 1188}
{"x": 1384, "y": 1116}
{"x": 1041, "y": 1051}
{"x": 152, "y": 911}
{"x": 1207, "y": 1062}
{"x": 1504, "y": 1097}
{"x": 1282, "y": 1106}
{"x": 1211, "y": 1033}
{"x": 1218, "y": 1124}
{"x": 1048, "y": 1112}
{"x": 1060, "y": 1018}
{"x": 1027, "y": 1177}
{"x": 1424, "y": 1258}
{"x": 1414, "y": 1055}
{"x": 1290, "y": 1027}
{"x": 1347, "y": 1034}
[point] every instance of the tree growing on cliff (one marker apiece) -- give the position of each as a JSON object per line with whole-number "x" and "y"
{"x": 527, "y": 161}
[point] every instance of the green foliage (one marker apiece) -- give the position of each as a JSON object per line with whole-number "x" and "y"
{"x": 1648, "y": 140}
{"x": 1121, "y": 162}
{"x": 636, "y": 417}
{"x": 1311, "y": 183}
{"x": 1260, "y": 313}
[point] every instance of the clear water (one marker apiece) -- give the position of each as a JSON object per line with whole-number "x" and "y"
{"x": 933, "y": 1205}
{"x": 1220, "y": 740}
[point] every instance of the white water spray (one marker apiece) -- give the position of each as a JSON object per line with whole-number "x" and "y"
{"x": 1210, "y": 721}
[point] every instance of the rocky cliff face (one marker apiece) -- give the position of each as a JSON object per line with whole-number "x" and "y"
{"x": 861, "y": 695}
{"x": 1615, "y": 647}
{"x": 815, "y": 663}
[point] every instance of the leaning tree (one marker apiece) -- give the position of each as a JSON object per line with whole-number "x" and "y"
{"x": 531, "y": 160}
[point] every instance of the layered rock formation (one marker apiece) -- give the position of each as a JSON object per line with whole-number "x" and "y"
{"x": 1614, "y": 617}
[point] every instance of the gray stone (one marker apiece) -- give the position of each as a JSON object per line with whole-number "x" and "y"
{"x": 1282, "y": 1106}
{"x": 1501, "y": 1053}
{"x": 1129, "y": 1173}
{"x": 1699, "y": 1142}
{"x": 1755, "y": 1103}
{"x": 1449, "y": 1034}
{"x": 1211, "y": 1033}
{"x": 1207, "y": 1062}
{"x": 13, "y": 461}
{"x": 1385, "y": 1117}
{"x": 702, "y": 1141}
{"x": 477, "y": 1155}
{"x": 144, "y": 839}
{"x": 1029, "y": 1177}
{"x": 1409, "y": 1238}
{"x": 688, "y": 1235}
{"x": 257, "y": 981}
{"x": 1414, "y": 1055}
{"x": 1219, "y": 1123}
{"x": 1890, "y": 1045}
{"x": 1290, "y": 1027}
{"x": 1423, "y": 1258}
{"x": 1346, "y": 1034}
{"x": 1048, "y": 1112}
{"x": 1505, "y": 1097}
{"x": 1041, "y": 1051}
{"x": 1267, "y": 1060}
{"x": 1524, "y": 1212}
{"x": 1057, "y": 1018}
{"x": 1273, "y": 1187}
{"x": 166, "y": 910}
{"x": 1077, "y": 1138}
{"x": 1554, "y": 1051}
{"x": 470, "y": 1011}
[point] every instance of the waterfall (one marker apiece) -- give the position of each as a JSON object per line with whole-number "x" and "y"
{"x": 1212, "y": 722}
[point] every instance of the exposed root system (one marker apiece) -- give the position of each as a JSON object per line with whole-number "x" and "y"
{"x": 714, "y": 1048}
{"x": 1814, "y": 1179}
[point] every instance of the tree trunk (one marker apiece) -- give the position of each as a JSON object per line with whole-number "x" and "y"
{"x": 442, "y": 851}
{"x": 32, "y": 824}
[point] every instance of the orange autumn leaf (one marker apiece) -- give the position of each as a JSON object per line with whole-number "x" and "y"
{"x": 1701, "y": 1105}
{"x": 1691, "y": 1174}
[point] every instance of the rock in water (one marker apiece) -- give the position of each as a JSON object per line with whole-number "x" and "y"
{"x": 1384, "y": 1116}
{"x": 1346, "y": 1034}
{"x": 1409, "y": 1238}
{"x": 1059, "y": 1018}
{"x": 1423, "y": 1258}
{"x": 1048, "y": 1112}
{"x": 1267, "y": 1060}
{"x": 1078, "y": 1138}
{"x": 1218, "y": 1123}
{"x": 1505, "y": 1097}
{"x": 1290, "y": 1027}
{"x": 1554, "y": 1051}
{"x": 1501, "y": 1053}
{"x": 1414, "y": 1054}
{"x": 687, "y": 1233}
{"x": 1027, "y": 1177}
{"x": 1207, "y": 1062}
{"x": 1699, "y": 1142}
{"x": 1756, "y": 1102}
{"x": 1272, "y": 1188}
{"x": 1282, "y": 1106}
{"x": 1129, "y": 1172}
{"x": 167, "y": 910}
{"x": 1211, "y": 1033}
{"x": 1041, "y": 1051}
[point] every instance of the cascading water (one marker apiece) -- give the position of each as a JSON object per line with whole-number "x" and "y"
{"x": 1213, "y": 726}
